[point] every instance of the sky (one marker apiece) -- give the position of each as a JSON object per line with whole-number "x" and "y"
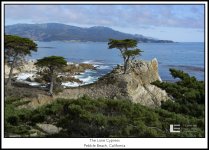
{"x": 180, "y": 23}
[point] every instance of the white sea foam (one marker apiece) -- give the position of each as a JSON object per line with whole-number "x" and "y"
{"x": 78, "y": 76}
{"x": 103, "y": 67}
{"x": 90, "y": 71}
{"x": 96, "y": 65}
{"x": 70, "y": 63}
{"x": 85, "y": 77}
{"x": 24, "y": 76}
{"x": 85, "y": 80}
{"x": 34, "y": 84}
{"x": 70, "y": 84}
{"x": 88, "y": 79}
{"x": 91, "y": 62}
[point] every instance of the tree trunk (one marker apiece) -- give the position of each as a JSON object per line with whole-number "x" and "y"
{"x": 51, "y": 85}
{"x": 9, "y": 83}
{"x": 124, "y": 58}
{"x": 126, "y": 65}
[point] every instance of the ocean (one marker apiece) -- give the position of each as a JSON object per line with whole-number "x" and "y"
{"x": 188, "y": 57}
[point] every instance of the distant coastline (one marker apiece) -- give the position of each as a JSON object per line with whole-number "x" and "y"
{"x": 62, "y": 32}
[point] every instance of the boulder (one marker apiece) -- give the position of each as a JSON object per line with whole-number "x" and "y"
{"x": 48, "y": 128}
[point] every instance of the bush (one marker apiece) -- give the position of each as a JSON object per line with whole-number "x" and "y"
{"x": 188, "y": 94}
{"x": 13, "y": 120}
{"x": 117, "y": 118}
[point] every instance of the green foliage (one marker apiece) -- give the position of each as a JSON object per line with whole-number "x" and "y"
{"x": 123, "y": 46}
{"x": 15, "y": 120}
{"x": 15, "y": 45}
{"x": 120, "y": 44}
{"x": 188, "y": 94}
{"x": 132, "y": 53}
{"x": 50, "y": 67}
{"x": 52, "y": 62}
{"x": 85, "y": 117}
{"x": 16, "y": 48}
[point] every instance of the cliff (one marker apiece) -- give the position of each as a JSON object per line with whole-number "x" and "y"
{"x": 135, "y": 85}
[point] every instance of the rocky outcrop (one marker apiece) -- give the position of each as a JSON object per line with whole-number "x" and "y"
{"x": 135, "y": 85}
{"x": 27, "y": 66}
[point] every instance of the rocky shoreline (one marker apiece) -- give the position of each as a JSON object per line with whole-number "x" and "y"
{"x": 135, "y": 86}
{"x": 28, "y": 73}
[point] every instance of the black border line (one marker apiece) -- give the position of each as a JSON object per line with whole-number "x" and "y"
{"x": 93, "y": 3}
{"x": 110, "y": 4}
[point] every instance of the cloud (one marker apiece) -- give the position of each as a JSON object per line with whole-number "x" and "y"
{"x": 135, "y": 16}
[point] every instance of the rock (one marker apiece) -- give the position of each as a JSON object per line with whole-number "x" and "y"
{"x": 7, "y": 70}
{"x": 78, "y": 68}
{"x": 48, "y": 128}
{"x": 36, "y": 133}
{"x": 135, "y": 85}
{"x": 27, "y": 67}
{"x": 39, "y": 100}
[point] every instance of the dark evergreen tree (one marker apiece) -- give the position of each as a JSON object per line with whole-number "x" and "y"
{"x": 16, "y": 48}
{"x": 52, "y": 65}
{"x": 123, "y": 46}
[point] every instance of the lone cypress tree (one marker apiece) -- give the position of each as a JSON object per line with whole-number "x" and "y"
{"x": 126, "y": 53}
{"x": 16, "y": 48}
{"x": 53, "y": 65}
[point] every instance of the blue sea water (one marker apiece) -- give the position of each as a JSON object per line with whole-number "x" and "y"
{"x": 185, "y": 56}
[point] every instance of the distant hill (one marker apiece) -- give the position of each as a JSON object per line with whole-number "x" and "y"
{"x": 62, "y": 32}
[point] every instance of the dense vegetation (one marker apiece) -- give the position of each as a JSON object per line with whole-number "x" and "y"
{"x": 98, "y": 118}
{"x": 188, "y": 95}
{"x": 85, "y": 117}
